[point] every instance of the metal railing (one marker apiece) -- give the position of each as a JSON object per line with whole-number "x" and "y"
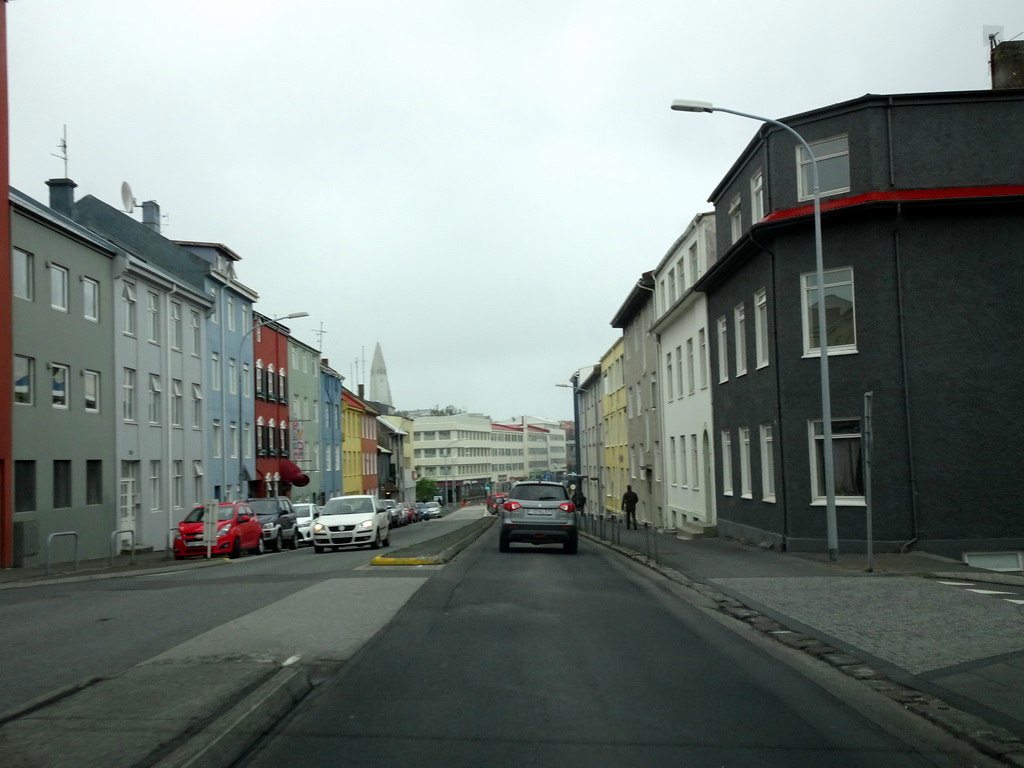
{"x": 113, "y": 536}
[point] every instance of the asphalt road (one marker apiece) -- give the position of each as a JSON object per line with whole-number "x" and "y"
{"x": 274, "y": 605}
{"x": 543, "y": 659}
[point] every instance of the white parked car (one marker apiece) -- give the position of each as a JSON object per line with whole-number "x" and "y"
{"x": 351, "y": 521}
{"x": 305, "y": 512}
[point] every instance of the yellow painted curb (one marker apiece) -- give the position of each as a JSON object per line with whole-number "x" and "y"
{"x": 381, "y": 560}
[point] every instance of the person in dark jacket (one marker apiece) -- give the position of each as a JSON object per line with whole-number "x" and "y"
{"x": 579, "y": 500}
{"x": 629, "y": 500}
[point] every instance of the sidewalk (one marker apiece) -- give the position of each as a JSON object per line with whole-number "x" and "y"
{"x": 152, "y": 562}
{"x": 912, "y": 629}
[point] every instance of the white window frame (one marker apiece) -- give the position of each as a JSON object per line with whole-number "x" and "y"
{"x": 840, "y": 433}
{"x": 809, "y": 285}
{"x": 694, "y": 263}
{"x": 702, "y": 350}
{"x": 177, "y": 401}
{"x": 154, "y": 485}
{"x": 128, "y": 314}
{"x": 153, "y": 310}
{"x": 691, "y": 383}
{"x": 695, "y": 483}
{"x": 723, "y": 350}
{"x": 91, "y": 299}
{"x": 23, "y": 275}
{"x": 155, "y": 390}
{"x": 128, "y": 395}
{"x": 59, "y": 277}
{"x": 668, "y": 379}
{"x": 176, "y": 325}
{"x": 767, "y": 463}
{"x": 58, "y": 370}
{"x": 740, "y": 320}
{"x": 757, "y": 197}
{"x": 196, "y": 332}
{"x": 683, "y": 478}
{"x": 745, "y": 487}
{"x": 761, "y": 327}
{"x": 91, "y": 381}
{"x": 217, "y": 438}
{"x": 197, "y": 406}
{"x": 826, "y": 161}
{"x": 726, "y": 463}
{"x": 735, "y": 219}
{"x": 216, "y": 374}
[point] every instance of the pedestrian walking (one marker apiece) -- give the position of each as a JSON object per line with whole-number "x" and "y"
{"x": 580, "y": 501}
{"x": 629, "y": 500}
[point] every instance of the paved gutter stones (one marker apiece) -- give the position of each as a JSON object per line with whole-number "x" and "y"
{"x": 991, "y": 740}
{"x": 437, "y": 551}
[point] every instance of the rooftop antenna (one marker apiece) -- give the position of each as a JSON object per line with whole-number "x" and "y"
{"x": 63, "y": 147}
{"x": 127, "y": 200}
{"x": 991, "y": 35}
{"x": 320, "y": 336}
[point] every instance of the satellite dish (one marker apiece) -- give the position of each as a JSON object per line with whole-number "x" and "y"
{"x": 126, "y": 197}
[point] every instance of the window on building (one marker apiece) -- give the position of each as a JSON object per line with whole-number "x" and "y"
{"x": 270, "y": 382}
{"x": 695, "y": 482}
{"x": 177, "y": 401}
{"x": 740, "y": 318}
{"x": 691, "y": 382}
{"x": 59, "y": 287}
{"x": 726, "y": 463}
{"x": 246, "y": 381}
{"x": 155, "y": 390}
{"x": 260, "y": 437}
{"x": 197, "y": 406}
{"x": 233, "y": 431}
{"x": 177, "y": 484}
{"x": 848, "y": 472}
{"x": 196, "y": 332}
{"x": 90, "y": 299}
{"x": 247, "y": 440}
{"x": 24, "y": 486}
{"x": 683, "y": 463}
{"x": 93, "y": 482}
{"x": 154, "y": 485}
{"x": 197, "y": 481}
{"x": 668, "y": 376}
{"x": 735, "y": 219}
{"x": 91, "y": 390}
{"x": 761, "y": 327}
{"x": 60, "y": 378}
{"x": 272, "y": 437}
{"x": 153, "y": 307}
{"x": 839, "y": 312}
{"x": 672, "y": 291}
{"x": 679, "y": 370}
{"x": 723, "y": 350}
{"x": 282, "y": 388}
{"x": 232, "y": 376}
{"x": 217, "y": 439}
{"x": 694, "y": 264}
{"x": 673, "y": 467}
{"x": 230, "y": 312}
{"x": 128, "y": 399}
{"x": 833, "y": 156}
{"x": 702, "y": 350}
{"x": 61, "y": 484}
{"x": 175, "y": 325}
{"x": 767, "y": 463}
{"x": 128, "y": 309}
{"x": 22, "y": 274}
{"x": 756, "y": 197}
{"x": 745, "y": 489}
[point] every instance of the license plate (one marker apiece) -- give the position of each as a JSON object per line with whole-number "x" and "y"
{"x": 542, "y": 512}
{"x": 197, "y": 544}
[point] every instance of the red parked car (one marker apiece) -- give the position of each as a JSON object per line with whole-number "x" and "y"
{"x": 238, "y": 529}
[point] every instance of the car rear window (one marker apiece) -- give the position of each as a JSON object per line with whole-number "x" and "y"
{"x": 539, "y": 493}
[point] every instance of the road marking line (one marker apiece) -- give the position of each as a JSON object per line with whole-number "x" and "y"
{"x": 958, "y": 583}
{"x": 1011, "y": 600}
{"x": 989, "y": 592}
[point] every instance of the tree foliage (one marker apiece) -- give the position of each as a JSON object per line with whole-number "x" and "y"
{"x": 448, "y": 410}
{"x": 426, "y": 489}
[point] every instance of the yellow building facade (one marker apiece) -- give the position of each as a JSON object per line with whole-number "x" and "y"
{"x": 615, "y": 471}
{"x": 351, "y": 444}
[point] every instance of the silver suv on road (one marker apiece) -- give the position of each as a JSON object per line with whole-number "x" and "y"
{"x": 537, "y": 512}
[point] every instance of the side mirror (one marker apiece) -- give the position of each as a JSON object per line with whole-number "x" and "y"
{"x": 316, "y": 515}
{"x": 244, "y": 518}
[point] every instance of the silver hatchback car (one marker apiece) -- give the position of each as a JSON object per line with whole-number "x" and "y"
{"x": 537, "y": 512}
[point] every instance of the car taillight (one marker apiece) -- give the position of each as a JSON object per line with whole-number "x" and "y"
{"x": 512, "y": 506}
{"x": 567, "y": 507}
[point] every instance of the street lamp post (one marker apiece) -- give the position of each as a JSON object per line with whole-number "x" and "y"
{"x": 684, "y": 105}
{"x": 448, "y": 464}
{"x": 574, "y": 386}
{"x": 241, "y": 435}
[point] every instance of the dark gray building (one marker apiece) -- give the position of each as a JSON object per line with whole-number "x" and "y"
{"x": 922, "y": 228}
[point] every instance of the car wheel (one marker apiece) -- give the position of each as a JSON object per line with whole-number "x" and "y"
{"x": 259, "y": 549}
{"x": 318, "y": 550}
{"x": 294, "y": 543}
{"x": 570, "y": 547}
{"x": 236, "y": 549}
{"x": 179, "y": 557}
{"x": 276, "y": 546}
{"x": 502, "y": 544}
{"x": 375, "y": 544}
{"x": 387, "y": 541}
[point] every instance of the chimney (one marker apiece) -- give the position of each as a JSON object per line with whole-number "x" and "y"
{"x": 1008, "y": 65}
{"x": 325, "y": 362}
{"x": 151, "y": 215}
{"x": 62, "y": 195}
{"x": 362, "y": 389}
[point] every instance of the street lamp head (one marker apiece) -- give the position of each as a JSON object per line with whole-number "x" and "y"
{"x": 688, "y": 105}
{"x": 294, "y": 315}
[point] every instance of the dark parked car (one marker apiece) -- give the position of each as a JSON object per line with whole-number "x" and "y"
{"x": 536, "y": 512}
{"x": 278, "y": 520}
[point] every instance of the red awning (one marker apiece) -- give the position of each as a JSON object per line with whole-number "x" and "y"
{"x": 291, "y": 473}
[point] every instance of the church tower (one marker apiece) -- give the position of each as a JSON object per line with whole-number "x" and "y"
{"x": 380, "y": 390}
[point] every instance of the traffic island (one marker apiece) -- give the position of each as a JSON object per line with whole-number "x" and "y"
{"x": 437, "y": 551}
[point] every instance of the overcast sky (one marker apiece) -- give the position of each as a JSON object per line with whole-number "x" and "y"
{"x": 476, "y": 185}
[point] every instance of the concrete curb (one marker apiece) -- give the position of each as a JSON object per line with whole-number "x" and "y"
{"x": 991, "y": 740}
{"x": 97, "y": 574}
{"x": 224, "y": 740}
{"x": 462, "y": 538}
